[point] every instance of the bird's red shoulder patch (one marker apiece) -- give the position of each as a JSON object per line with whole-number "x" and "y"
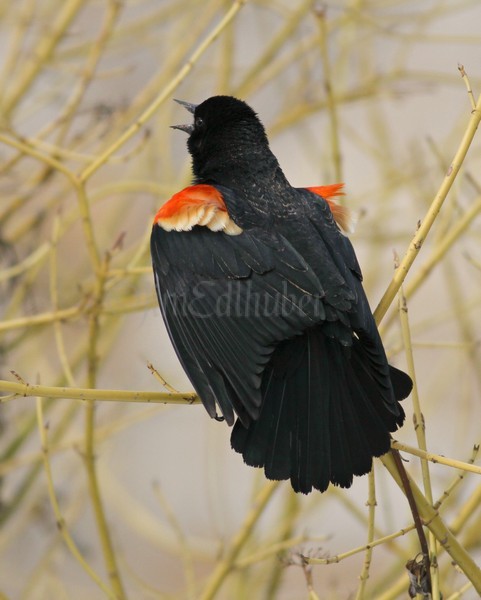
{"x": 199, "y": 204}
{"x": 341, "y": 214}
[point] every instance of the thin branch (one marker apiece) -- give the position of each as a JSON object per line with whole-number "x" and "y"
{"x": 89, "y": 446}
{"x": 436, "y": 458}
{"x": 377, "y": 542}
{"x": 330, "y": 95}
{"x": 371, "y": 503}
{"x": 420, "y": 430}
{"x": 469, "y": 89}
{"x": 26, "y": 389}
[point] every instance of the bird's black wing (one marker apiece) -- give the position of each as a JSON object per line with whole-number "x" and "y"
{"x": 361, "y": 319}
{"x": 228, "y": 301}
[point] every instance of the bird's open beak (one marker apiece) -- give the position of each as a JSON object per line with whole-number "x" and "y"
{"x": 191, "y": 108}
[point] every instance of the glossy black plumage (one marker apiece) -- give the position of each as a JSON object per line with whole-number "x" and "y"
{"x": 273, "y": 325}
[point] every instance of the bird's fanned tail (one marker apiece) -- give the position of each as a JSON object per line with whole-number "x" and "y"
{"x": 324, "y": 413}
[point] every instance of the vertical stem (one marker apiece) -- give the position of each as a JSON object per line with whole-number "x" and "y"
{"x": 84, "y": 209}
{"x": 420, "y": 430}
{"x": 89, "y": 449}
{"x": 371, "y": 502}
{"x": 330, "y": 96}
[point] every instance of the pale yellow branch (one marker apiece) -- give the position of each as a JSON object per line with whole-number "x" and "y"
{"x": 371, "y": 503}
{"x": 469, "y": 89}
{"x": 26, "y": 390}
{"x": 41, "y": 319}
{"x": 98, "y": 506}
{"x": 330, "y": 96}
{"x": 420, "y": 431}
{"x": 436, "y": 458}
{"x": 378, "y": 542}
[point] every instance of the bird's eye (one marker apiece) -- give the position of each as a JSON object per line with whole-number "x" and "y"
{"x": 199, "y": 122}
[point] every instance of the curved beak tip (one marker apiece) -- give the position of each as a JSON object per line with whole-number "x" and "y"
{"x": 187, "y": 105}
{"x": 187, "y": 128}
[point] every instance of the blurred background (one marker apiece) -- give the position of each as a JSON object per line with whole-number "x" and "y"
{"x": 367, "y": 92}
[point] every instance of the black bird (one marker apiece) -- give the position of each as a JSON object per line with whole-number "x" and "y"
{"x": 262, "y": 297}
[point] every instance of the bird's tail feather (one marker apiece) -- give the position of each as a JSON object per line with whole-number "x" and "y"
{"x": 326, "y": 411}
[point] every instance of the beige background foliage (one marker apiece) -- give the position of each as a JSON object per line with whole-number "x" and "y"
{"x": 363, "y": 91}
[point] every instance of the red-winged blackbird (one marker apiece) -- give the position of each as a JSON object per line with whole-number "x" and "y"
{"x": 261, "y": 294}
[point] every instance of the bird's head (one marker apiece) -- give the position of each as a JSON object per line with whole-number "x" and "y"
{"x": 225, "y": 132}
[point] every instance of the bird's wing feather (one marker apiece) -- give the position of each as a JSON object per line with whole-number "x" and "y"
{"x": 227, "y": 301}
{"x": 361, "y": 319}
